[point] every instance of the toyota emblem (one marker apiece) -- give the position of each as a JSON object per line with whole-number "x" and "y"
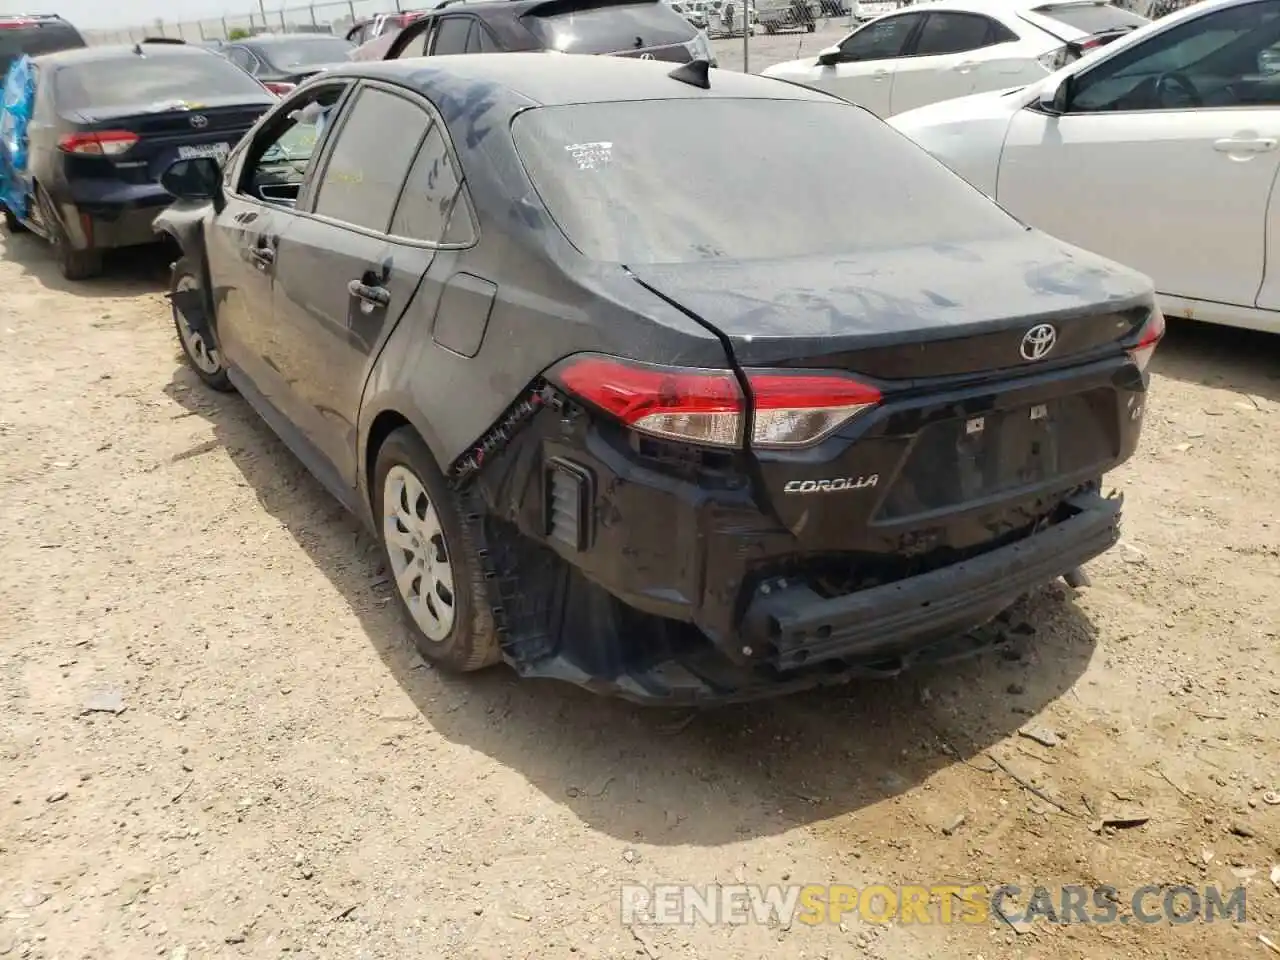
{"x": 1038, "y": 341}
{"x": 199, "y": 121}
{"x": 646, "y": 56}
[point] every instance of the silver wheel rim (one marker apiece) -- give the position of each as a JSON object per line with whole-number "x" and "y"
{"x": 418, "y": 552}
{"x": 202, "y": 355}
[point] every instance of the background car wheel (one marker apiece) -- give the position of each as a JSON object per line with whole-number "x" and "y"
{"x": 431, "y": 557}
{"x": 74, "y": 264}
{"x": 202, "y": 356}
{"x": 11, "y": 222}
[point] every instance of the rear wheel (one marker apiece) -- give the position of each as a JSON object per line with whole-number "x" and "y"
{"x": 198, "y": 347}
{"x": 11, "y": 222}
{"x": 431, "y": 556}
{"x": 74, "y": 264}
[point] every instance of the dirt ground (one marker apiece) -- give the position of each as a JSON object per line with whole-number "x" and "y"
{"x": 217, "y": 742}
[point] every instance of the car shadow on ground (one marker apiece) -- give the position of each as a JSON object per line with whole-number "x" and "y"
{"x": 128, "y": 272}
{"x": 1243, "y": 360}
{"x": 665, "y": 776}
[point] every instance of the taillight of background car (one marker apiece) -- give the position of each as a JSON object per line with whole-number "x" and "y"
{"x": 707, "y": 406}
{"x": 1148, "y": 340}
{"x": 98, "y": 142}
{"x": 279, "y": 88}
{"x": 1055, "y": 60}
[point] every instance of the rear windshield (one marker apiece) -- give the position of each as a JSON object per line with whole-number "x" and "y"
{"x": 149, "y": 80}
{"x": 35, "y": 40}
{"x": 667, "y": 181}
{"x": 1092, "y": 18}
{"x": 305, "y": 53}
{"x": 611, "y": 29}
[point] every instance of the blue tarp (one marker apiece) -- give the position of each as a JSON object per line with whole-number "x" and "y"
{"x": 15, "y": 113}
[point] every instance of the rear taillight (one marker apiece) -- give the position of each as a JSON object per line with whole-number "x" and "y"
{"x": 707, "y": 406}
{"x": 280, "y": 89}
{"x": 98, "y": 142}
{"x": 1148, "y": 340}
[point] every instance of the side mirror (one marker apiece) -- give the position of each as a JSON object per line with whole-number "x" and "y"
{"x": 195, "y": 178}
{"x": 829, "y": 57}
{"x": 1053, "y": 99}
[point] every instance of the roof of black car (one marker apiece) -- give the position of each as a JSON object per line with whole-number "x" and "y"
{"x": 116, "y": 51}
{"x": 554, "y": 78}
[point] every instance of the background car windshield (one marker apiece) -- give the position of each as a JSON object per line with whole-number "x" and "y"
{"x": 147, "y": 80}
{"x": 667, "y": 181}
{"x": 306, "y": 53}
{"x": 1091, "y": 18}
{"x": 610, "y": 29}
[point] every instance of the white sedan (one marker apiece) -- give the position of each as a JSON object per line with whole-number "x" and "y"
{"x": 952, "y": 48}
{"x": 1160, "y": 151}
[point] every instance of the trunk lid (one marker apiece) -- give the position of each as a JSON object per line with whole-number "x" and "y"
{"x": 912, "y": 313}
{"x": 167, "y": 132}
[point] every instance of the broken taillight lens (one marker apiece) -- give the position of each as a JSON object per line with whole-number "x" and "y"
{"x": 1148, "y": 340}
{"x": 707, "y": 406}
{"x": 795, "y": 410}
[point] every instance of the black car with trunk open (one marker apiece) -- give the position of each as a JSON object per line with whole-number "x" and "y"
{"x": 669, "y": 437}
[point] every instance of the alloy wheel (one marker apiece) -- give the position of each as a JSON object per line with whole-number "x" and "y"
{"x": 418, "y": 552}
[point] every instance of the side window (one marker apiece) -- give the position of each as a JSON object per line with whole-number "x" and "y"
{"x": 429, "y": 192}
{"x": 882, "y": 40}
{"x": 1222, "y": 59}
{"x": 241, "y": 58}
{"x": 952, "y": 33}
{"x": 419, "y": 43}
{"x": 481, "y": 41}
{"x": 277, "y": 163}
{"x": 451, "y": 36}
{"x": 367, "y": 168}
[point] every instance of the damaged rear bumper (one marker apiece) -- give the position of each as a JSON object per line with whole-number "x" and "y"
{"x": 799, "y": 627}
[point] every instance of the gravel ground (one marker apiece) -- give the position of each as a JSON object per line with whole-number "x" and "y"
{"x": 217, "y": 741}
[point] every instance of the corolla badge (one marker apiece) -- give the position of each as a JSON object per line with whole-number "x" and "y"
{"x": 1038, "y": 341}
{"x": 831, "y": 486}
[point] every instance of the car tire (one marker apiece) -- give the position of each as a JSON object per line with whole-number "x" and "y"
{"x": 11, "y": 221}
{"x": 203, "y": 357}
{"x": 432, "y": 558}
{"x": 74, "y": 264}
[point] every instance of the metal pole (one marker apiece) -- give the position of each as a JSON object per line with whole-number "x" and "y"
{"x": 746, "y": 38}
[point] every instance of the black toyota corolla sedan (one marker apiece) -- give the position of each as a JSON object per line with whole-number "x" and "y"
{"x": 106, "y": 122}
{"x": 680, "y": 438}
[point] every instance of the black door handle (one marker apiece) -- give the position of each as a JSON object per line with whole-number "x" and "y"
{"x": 375, "y": 296}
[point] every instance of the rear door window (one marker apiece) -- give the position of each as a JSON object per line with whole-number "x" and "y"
{"x": 36, "y": 39}
{"x": 945, "y": 33}
{"x": 145, "y": 81}
{"x": 451, "y": 35}
{"x": 429, "y": 193}
{"x": 610, "y": 29}
{"x": 366, "y": 169}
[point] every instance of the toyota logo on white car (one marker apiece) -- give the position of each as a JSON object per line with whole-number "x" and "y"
{"x": 199, "y": 121}
{"x": 1038, "y": 341}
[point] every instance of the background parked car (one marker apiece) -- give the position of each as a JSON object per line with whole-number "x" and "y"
{"x": 371, "y": 28}
{"x": 780, "y": 16}
{"x": 1162, "y": 152}
{"x": 626, "y": 28}
{"x": 283, "y": 60}
{"x": 34, "y": 34}
{"x": 951, "y": 48}
{"x": 105, "y": 124}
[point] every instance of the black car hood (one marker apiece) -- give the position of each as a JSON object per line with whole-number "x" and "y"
{"x": 782, "y": 309}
